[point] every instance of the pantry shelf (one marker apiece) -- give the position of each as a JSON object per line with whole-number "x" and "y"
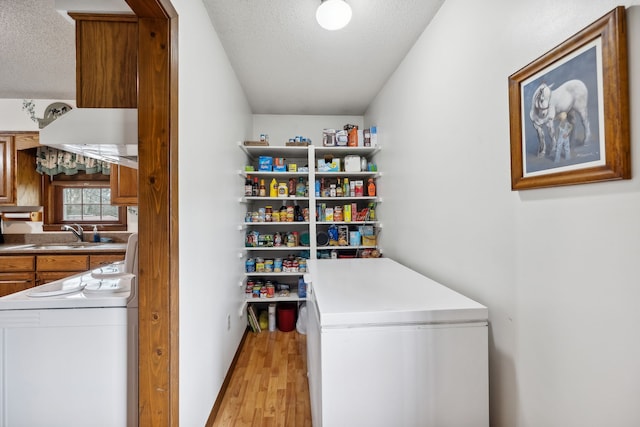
{"x": 283, "y": 274}
{"x": 277, "y": 298}
{"x": 277, "y": 248}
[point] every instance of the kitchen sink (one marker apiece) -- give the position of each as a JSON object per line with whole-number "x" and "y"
{"x": 59, "y": 246}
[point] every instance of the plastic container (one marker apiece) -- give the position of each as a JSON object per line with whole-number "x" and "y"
{"x": 286, "y": 313}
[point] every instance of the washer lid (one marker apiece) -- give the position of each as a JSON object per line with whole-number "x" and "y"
{"x": 57, "y": 288}
{"x": 69, "y": 293}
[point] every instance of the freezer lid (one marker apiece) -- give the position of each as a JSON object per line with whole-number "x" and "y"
{"x": 369, "y": 292}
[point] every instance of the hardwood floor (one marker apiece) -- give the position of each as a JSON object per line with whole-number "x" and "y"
{"x": 268, "y": 386}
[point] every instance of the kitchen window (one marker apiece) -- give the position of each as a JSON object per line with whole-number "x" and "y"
{"x": 83, "y": 199}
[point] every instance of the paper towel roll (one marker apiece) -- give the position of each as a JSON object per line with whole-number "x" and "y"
{"x": 272, "y": 317}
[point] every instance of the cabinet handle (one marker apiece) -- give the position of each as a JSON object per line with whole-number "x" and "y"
{"x": 7, "y": 282}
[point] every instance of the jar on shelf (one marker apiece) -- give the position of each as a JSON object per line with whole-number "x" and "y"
{"x": 259, "y": 265}
{"x": 337, "y": 214}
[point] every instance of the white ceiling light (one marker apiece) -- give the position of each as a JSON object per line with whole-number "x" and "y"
{"x": 333, "y": 14}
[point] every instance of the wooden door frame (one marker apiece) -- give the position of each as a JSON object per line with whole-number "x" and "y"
{"x": 158, "y": 212}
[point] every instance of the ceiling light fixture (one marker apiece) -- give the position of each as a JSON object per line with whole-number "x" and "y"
{"x": 333, "y": 14}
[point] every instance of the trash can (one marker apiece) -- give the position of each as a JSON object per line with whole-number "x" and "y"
{"x": 286, "y": 316}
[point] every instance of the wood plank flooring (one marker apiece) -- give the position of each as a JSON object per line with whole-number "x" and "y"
{"x": 268, "y": 386}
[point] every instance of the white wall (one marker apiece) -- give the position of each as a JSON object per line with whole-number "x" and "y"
{"x": 557, "y": 267}
{"x": 213, "y": 116}
{"x": 14, "y": 118}
{"x": 281, "y": 127}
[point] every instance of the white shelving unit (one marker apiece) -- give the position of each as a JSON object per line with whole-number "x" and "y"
{"x": 305, "y": 157}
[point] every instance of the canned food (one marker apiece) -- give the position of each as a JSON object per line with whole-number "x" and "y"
{"x": 256, "y": 292}
{"x": 271, "y": 291}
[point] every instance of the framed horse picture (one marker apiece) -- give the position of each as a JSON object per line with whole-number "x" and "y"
{"x": 569, "y": 110}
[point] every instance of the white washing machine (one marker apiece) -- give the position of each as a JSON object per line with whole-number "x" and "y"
{"x": 68, "y": 350}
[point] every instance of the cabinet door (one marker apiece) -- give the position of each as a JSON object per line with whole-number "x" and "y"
{"x": 17, "y": 263}
{"x": 28, "y": 180}
{"x": 73, "y": 263}
{"x": 124, "y": 186}
{"x": 106, "y": 60}
{"x": 16, "y": 282}
{"x": 7, "y": 190}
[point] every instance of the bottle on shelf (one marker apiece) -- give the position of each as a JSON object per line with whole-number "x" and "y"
{"x": 273, "y": 188}
{"x": 317, "y": 188}
{"x": 339, "y": 189}
{"x": 371, "y": 188}
{"x": 262, "y": 192}
{"x": 345, "y": 187}
{"x": 256, "y": 187}
{"x": 300, "y": 187}
{"x": 292, "y": 187}
{"x": 248, "y": 186}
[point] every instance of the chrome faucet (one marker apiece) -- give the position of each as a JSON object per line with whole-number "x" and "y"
{"x": 79, "y": 233}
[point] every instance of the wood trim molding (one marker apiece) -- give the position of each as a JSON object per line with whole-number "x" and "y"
{"x": 158, "y": 212}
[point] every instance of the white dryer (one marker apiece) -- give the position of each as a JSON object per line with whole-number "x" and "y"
{"x": 68, "y": 351}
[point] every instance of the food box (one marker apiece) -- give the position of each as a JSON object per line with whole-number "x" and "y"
{"x": 265, "y": 164}
{"x": 368, "y": 240}
{"x": 332, "y": 165}
{"x": 352, "y": 164}
{"x": 278, "y": 164}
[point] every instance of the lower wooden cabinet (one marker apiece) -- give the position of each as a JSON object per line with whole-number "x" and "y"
{"x": 20, "y": 272}
{"x": 16, "y": 282}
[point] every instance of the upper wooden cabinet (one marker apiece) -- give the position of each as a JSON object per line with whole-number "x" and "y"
{"x": 106, "y": 60}
{"x": 124, "y": 186}
{"x": 19, "y": 181}
{"x": 7, "y": 171}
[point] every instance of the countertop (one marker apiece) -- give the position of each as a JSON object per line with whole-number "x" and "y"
{"x": 61, "y": 248}
{"x": 380, "y": 291}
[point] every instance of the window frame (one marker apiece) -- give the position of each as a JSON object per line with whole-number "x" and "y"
{"x": 52, "y": 188}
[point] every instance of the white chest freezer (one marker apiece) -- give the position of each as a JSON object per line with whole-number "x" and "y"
{"x": 388, "y": 346}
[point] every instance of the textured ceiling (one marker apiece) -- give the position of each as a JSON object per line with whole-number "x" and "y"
{"x": 286, "y": 63}
{"x": 37, "y": 51}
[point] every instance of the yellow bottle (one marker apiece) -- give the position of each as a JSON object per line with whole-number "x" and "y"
{"x": 273, "y": 188}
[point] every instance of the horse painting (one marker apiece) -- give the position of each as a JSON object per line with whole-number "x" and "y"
{"x": 570, "y": 97}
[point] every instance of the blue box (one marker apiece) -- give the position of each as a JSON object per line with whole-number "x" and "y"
{"x": 265, "y": 163}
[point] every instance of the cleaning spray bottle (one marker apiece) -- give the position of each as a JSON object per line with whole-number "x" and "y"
{"x": 96, "y": 235}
